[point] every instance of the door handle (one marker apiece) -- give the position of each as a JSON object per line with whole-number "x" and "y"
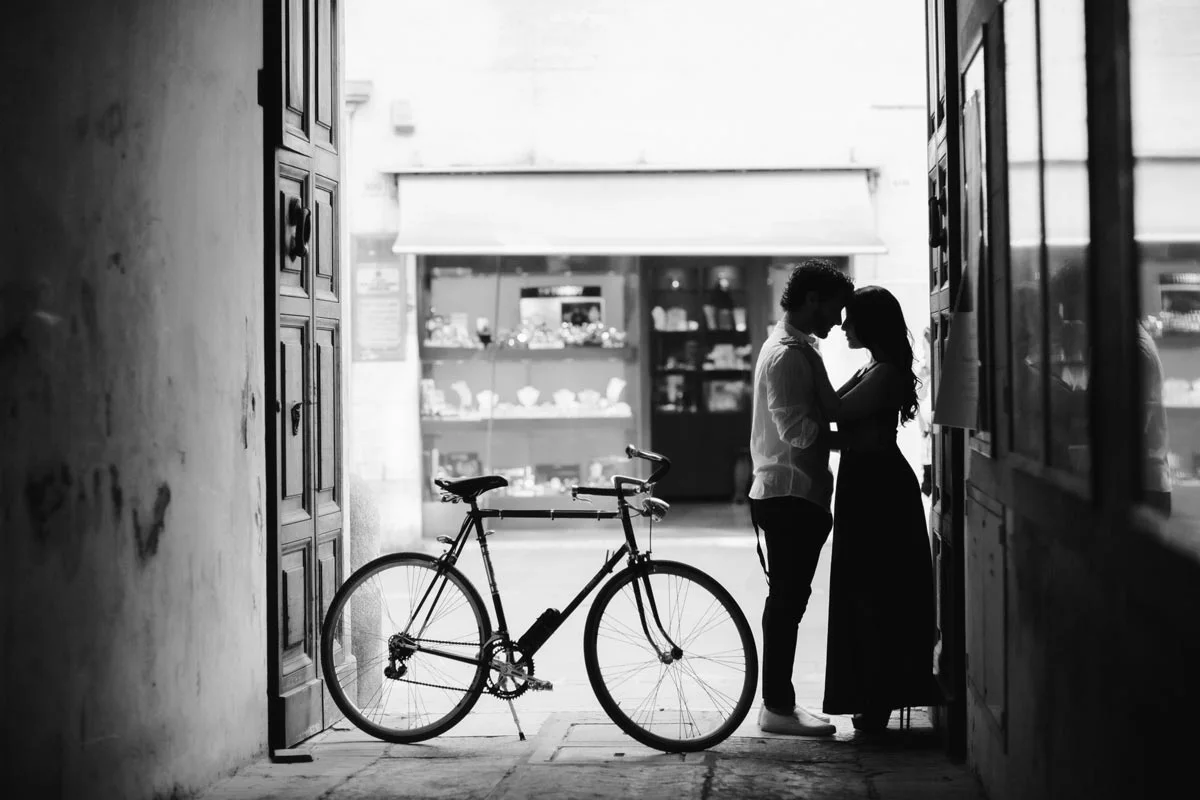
{"x": 299, "y": 218}
{"x": 296, "y": 417}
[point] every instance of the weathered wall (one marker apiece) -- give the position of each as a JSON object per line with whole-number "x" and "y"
{"x": 131, "y": 362}
{"x": 1101, "y": 658}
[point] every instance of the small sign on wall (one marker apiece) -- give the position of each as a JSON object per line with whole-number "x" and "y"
{"x": 378, "y": 312}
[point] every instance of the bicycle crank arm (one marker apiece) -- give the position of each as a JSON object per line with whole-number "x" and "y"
{"x": 517, "y": 674}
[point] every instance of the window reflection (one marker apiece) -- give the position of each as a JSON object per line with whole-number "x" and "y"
{"x": 1065, "y": 195}
{"x": 1164, "y": 73}
{"x": 1025, "y": 227}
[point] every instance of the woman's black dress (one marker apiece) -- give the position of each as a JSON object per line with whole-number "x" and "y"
{"x": 881, "y": 604}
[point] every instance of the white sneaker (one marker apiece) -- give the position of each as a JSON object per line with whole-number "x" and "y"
{"x": 817, "y": 714}
{"x": 799, "y": 723}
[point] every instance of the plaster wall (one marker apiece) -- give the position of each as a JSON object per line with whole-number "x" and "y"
{"x": 131, "y": 330}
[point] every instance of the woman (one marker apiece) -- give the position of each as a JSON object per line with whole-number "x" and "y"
{"x": 881, "y": 603}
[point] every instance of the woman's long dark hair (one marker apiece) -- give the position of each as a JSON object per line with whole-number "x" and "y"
{"x": 879, "y": 325}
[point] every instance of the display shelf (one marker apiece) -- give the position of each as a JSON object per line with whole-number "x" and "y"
{"x": 436, "y": 355}
{"x": 702, "y": 311}
{"x": 433, "y": 425}
{"x": 711, "y": 335}
{"x": 716, "y": 372}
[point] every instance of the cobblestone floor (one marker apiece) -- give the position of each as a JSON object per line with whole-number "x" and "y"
{"x": 585, "y": 756}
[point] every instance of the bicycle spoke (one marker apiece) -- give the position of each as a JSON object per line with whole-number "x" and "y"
{"x": 408, "y": 596}
{"x": 676, "y": 703}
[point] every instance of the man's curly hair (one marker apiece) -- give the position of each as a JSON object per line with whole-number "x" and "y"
{"x": 818, "y": 275}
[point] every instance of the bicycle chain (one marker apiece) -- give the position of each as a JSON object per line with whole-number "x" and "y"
{"x": 438, "y": 685}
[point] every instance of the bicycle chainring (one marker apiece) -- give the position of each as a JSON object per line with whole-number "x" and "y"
{"x": 512, "y": 679}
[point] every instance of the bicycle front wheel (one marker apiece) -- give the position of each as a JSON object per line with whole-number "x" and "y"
{"x": 680, "y": 700}
{"x": 375, "y": 624}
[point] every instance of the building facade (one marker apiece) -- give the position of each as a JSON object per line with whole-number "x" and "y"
{"x": 681, "y": 131}
{"x": 1063, "y": 245}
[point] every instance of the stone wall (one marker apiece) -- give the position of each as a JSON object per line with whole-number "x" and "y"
{"x": 131, "y": 356}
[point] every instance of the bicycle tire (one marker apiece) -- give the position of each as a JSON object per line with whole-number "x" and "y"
{"x": 744, "y": 652}
{"x": 481, "y": 628}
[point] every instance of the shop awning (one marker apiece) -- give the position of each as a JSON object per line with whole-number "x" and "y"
{"x": 775, "y": 213}
{"x": 1166, "y": 202}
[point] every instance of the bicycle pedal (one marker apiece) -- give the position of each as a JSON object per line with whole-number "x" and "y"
{"x": 539, "y": 685}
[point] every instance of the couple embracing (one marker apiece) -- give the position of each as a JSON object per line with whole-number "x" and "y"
{"x": 881, "y": 604}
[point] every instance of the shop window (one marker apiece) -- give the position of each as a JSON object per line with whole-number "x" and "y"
{"x": 1066, "y": 219}
{"x": 973, "y": 304}
{"x": 1046, "y": 106}
{"x": 1164, "y": 72}
{"x": 529, "y": 371}
{"x": 1027, "y": 294}
{"x": 704, "y": 317}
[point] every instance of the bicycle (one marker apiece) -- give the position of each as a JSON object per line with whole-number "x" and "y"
{"x": 654, "y": 629}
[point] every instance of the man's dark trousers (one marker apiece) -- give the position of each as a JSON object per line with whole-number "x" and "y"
{"x": 794, "y": 530}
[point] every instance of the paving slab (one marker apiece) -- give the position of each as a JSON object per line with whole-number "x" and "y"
{"x": 584, "y": 755}
{"x": 768, "y": 779}
{"x": 644, "y": 782}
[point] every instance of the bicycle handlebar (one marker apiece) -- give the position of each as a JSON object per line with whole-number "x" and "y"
{"x": 600, "y": 491}
{"x": 664, "y": 463}
{"x": 624, "y": 486}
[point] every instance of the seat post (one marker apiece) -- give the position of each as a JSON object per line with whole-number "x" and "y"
{"x": 501, "y": 623}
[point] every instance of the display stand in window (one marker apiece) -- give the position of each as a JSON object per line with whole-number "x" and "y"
{"x": 528, "y": 371}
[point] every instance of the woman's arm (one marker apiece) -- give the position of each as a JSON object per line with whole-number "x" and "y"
{"x": 826, "y": 396}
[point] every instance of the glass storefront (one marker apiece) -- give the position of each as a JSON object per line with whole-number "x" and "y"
{"x": 542, "y": 368}
{"x": 529, "y": 370}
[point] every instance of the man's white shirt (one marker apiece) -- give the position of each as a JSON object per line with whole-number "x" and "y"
{"x": 790, "y": 457}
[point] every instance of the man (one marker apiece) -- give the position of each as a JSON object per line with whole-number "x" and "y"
{"x": 792, "y": 488}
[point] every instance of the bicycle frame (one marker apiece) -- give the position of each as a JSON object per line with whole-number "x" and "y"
{"x": 474, "y": 519}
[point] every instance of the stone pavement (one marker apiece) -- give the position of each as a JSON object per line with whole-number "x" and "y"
{"x": 586, "y": 756}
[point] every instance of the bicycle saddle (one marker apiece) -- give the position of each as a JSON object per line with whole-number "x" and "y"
{"x": 468, "y": 488}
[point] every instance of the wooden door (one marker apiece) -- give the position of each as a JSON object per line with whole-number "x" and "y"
{"x": 949, "y": 444}
{"x": 302, "y": 134}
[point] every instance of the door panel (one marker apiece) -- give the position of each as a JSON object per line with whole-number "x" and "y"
{"x": 327, "y": 409}
{"x": 296, "y": 643}
{"x": 296, "y": 55}
{"x": 294, "y": 419}
{"x": 303, "y": 173}
{"x": 329, "y": 577}
{"x": 324, "y": 129}
{"x": 325, "y": 232}
{"x": 294, "y": 279}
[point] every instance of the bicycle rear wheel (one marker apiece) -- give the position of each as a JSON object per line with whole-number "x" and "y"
{"x": 388, "y": 607}
{"x": 681, "y": 702}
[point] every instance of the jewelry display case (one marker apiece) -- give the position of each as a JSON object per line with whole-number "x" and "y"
{"x": 704, "y": 328}
{"x": 529, "y": 370}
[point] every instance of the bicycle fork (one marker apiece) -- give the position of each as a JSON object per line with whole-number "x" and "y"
{"x": 665, "y": 656}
